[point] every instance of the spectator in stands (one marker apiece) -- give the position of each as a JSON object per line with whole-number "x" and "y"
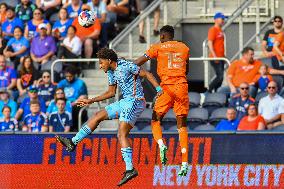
{"x": 8, "y": 76}
{"x": 281, "y": 112}
{"x": 24, "y": 10}
{"x": 3, "y": 12}
{"x": 59, "y": 93}
{"x": 119, "y": 7}
{"x": 27, "y": 76}
{"x": 24, "y": 108}
{"x": 217, "y": 49}
{"x": 278, "y": 50}
{"x": 241, "y": 101}
{"x": 262, "y": 79}
{"x": 43, "y": 48}
{"x": 74, "y": 89}
{"x": 3, "y": 43}
{"x": 49, "y": 7}
{"x": 252, "y": 121}
{"x": 244, "y": 70}
{"x": 9, "y": 25}
{"x": 60, "y": 27}
{"x": 100, "y": 10}
{"x": 60, "y": 121}
{"x": 269, "y": 38}
{"x": 229, "y": 124}
{"x": 35, "y": 121}
{"x": 5, "y": 100}
{"x": 7, "y": 123}
{"x": 17, "y": 47}
{"x": 31, "y": 29}
{"x": 46, "y": 88}
{"x": 143, "y": 5}
{"x": 89, "y": 37}
{"x": 74, "y": 8}
{"x": 269, "y": 106}
{"x": 71, "y": 46}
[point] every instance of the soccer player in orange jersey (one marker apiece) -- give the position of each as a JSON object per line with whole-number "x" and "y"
{"x": 172, "y": 60}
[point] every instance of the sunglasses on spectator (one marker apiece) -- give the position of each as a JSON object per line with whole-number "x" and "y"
{"x": 278, "y": 21}
{"x": 244, "y": 88}
{"x": 46, "y": 76}
{"x": 37, "y": 13}
{"x": 33, "y": 91}
{"x": 271, "y": 87}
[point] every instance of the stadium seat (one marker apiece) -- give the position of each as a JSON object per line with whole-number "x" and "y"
{"x": 214, "y": 101}
{"x": 144, "y": 119}
{"x": 278, "y": 128}
{"x": 194, "y": 99}
{"x": 217, "y": 115}
{"x": 279, "y": 80}
{"x": 134, "y": 129}
{"x": 169, "y": 119}
{"x": 172, "y": 129}
{"x": 259, "y": 96}
{"x": 147, "y": 129}
{"x": 197, "y": 116}
{"x": 205, "y": 127}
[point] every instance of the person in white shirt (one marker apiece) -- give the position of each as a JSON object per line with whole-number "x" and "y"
{"x": 269, "y": 106}
{"x": 71, "y": 47}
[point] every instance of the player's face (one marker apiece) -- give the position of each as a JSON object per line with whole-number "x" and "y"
{"x": 63, "y": 14}
{"x": 60, "y": 94}
{"x": 4, "y": 96}
{"x": 231, "y": 114}
{"x": 60, "y": 104}
{"x": 25, "y": 2}
{"x": 46, "y": 78}
{"x": 33, "y": 94}
{"x": 27, "y": 63}
{"x": 244, "y": 89}
{"x": 104, "y": 64}
{"x": 34, "y": 108}
{"x": 220, "y": 21}
{"x": 272, "y": 88}
{"x": 10, "y": 14}
{"x": 249, "y": 56}
{"x": 37, "y": 14}
{"x": 6, "y": 112}
{"x": 262, "y": 70}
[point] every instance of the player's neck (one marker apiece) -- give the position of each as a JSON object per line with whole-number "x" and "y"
{"x": 60, "y": 111}
{"x": 7, "y": 119}
{"x": 113, "y": 65}
{"x": 35, "y": 113}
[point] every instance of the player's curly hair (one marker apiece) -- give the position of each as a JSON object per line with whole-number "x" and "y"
{"x": 106, "y": 53}
{"x": 169, "y": 30}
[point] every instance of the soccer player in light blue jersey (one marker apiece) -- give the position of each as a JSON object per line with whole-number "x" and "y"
{"x": 126, "y": 75}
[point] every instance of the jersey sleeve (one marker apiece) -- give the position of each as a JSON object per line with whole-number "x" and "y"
{"x": 211, "y": 34}
{"x": 110, "y": 77}
{"x": 152, "y": 52}
{"x": 133, "y": 68}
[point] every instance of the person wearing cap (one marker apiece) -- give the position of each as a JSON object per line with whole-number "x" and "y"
{"x": 5, "y": 100}
{"x": 24, "y": 108}
{"x": 217, "y": 49}
{"x": 9, "y": 25}
{"x": 8, "y": 76}
{"x": 43, "y": 47}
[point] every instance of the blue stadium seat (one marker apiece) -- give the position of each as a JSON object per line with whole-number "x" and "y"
{"x": 144, "y": 119}
{"x": 147, "y": 129}
{"x": 214, "y": 101}
{"x": 194, "y": 99}
{"x": 197, "y": 116}
{"x": 205, "y": 127}
{"x": 134, "y": 129}
{"x": 217, "y": 115}
{"x": 171, "y": 129}
{"x": 259, "y": 96}
{"x": 169, "y": 119}
{"x": 278, "y": 128}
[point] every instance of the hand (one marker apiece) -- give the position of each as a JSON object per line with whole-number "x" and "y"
{"x": 83, "y": 102}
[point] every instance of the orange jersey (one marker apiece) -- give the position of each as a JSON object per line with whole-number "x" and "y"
{"x": 246, "y": 125}
{"x": 243, "y": 72}
{"x": 216, "y": 35}
{"x": 280, "y": 39}
{"x": 171, "y": 58}
{"x": 82, "y": 31}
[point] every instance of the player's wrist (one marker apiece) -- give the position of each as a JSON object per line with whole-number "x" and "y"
{"x": 158, "y": 89}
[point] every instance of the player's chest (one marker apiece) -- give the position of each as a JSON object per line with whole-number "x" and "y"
{"x": 121, "y": 76}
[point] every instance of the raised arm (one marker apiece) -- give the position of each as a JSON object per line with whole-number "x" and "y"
{"x": 141, "y": 60}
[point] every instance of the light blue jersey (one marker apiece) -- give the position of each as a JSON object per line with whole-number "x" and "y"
{"x": 126, "y": 76}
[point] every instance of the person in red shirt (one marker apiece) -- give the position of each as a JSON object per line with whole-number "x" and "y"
{"x": 172, "y": 61}
{"x": 217, "y": 49}
{"x": 252, "y": 121}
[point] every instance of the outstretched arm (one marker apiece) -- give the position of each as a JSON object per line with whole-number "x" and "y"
{"x": 152, "y": 80}
{"x": 108, "y": 94}
{"x": 141, "y": 60}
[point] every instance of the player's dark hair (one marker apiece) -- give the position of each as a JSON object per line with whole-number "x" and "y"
{"x": 246, "y": 50}
{"x": 70, "y": 69}
{"x": 277, "y": 17}
{"x": 169, "y": 30}
{"x": 34, "y": 102}
{"x": 6, "y": 107}
{"x": 18, "y": 27}
{"x": 106, "y": 53}
{"x": 57, "y": 99}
